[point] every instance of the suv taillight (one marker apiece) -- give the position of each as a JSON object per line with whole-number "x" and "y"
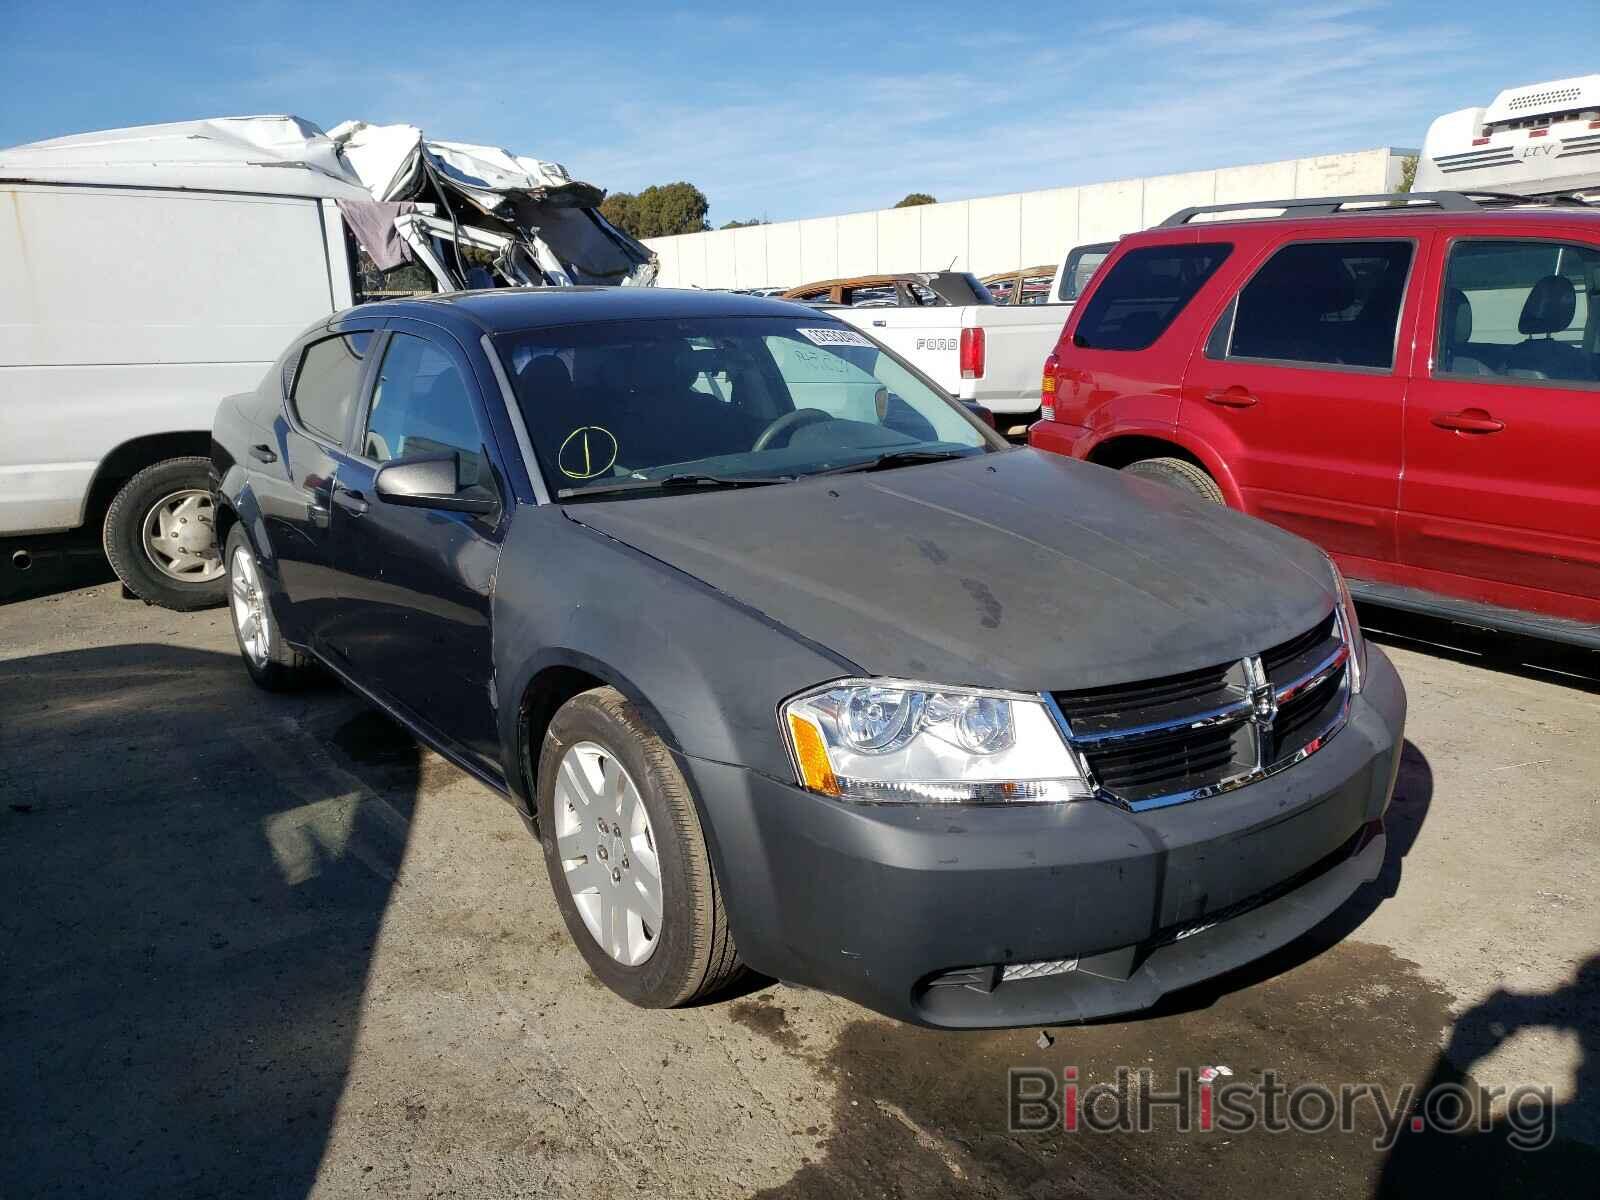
{"x": 972, "y": 352}
{"x": 1047, "y": 390}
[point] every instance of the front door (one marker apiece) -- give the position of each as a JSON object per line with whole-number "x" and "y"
{"x": 1501, "y": 498}
{"x": 416, "y": 582}
{"x": 1298, "y": 388}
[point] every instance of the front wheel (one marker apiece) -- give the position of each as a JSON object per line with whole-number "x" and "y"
{"x": 627, "y": 857}
{"x": 160, "y": 536}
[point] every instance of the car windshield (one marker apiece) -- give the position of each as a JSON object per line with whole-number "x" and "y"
{"x": 617, "y": 407}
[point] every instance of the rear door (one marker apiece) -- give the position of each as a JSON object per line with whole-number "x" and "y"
{"x": 1501, "y": 497}
{"x": 415, "y": 583}
{"x": 322, "y": 387}
{"x": 1298, "y": 387}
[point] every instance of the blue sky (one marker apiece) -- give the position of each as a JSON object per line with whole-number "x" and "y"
{"x": 807, "y": 109}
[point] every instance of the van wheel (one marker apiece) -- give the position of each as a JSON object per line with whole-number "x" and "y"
{"x": 1178, "y": 473}
{"x": 627, "y": 857}
{"x": 160, "y": 536}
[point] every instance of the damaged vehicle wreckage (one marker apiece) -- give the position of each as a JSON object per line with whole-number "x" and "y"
{"x": 792, "y": 664}
{"x": 150, "y": 271}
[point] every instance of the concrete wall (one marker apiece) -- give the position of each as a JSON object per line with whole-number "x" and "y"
{"x": 996, "y": 233}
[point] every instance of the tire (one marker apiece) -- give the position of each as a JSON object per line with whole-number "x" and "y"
{"x": 600, "y": 736}
{"x": 272, "y": 663}
{"x": 1178, "y": 473}
{"x": 182, "y": 487}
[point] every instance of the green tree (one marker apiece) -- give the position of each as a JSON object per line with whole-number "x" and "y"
{"x": 1408, "y": 173}
{"x": 618, "y": 209}
{"x": 661, "y": 210}
{"x": 916, "y": 198}
{"x": 741, "y": 224}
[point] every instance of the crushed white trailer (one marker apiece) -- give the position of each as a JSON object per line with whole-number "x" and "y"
{"x": 147, "y": 272}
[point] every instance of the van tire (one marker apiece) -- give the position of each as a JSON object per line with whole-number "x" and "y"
{"x": 123, "y": 535}
{"x": 1178, "y": 473}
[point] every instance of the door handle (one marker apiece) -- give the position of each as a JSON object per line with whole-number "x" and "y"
{"x": 262, "y": 452}
{"x": 881, "y": 324}
{"x": 1234, "y": 397}
{"x": 1471, "y": 420}
{"x": 352, "y": 502}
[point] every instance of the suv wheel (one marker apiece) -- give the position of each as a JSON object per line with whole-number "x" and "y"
{"x": 160, "y": 536}
{"x": 1178, "y": 473}
{"x": 272, "y": 663}
{"x": 627, "y": 857}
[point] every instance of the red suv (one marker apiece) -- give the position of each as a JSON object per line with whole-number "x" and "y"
{"x": 1416, "y": 389}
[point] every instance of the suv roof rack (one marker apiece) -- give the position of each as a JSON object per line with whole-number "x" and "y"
{"x": 1328, "y": 206}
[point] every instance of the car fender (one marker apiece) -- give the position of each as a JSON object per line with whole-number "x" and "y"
{"x": 708, "y": 672}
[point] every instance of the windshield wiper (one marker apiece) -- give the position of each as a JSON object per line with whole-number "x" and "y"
{"x": 897, "y": 458}
{"x": 684, "y": 481}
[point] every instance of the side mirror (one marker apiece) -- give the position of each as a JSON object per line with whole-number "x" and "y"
{"x": 429, "y": 483}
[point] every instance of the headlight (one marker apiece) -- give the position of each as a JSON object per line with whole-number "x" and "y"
{"x": 890, "y": 740}
{"x": 1350, "y": 628}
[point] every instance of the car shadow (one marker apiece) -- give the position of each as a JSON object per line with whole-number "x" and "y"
{"x": 1413, "y": 796}
{"x": 196, "y": 876}
{"x": 1528, "y": 1144}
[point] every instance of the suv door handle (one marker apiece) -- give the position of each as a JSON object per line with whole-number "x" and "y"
{"x": 1233, "y": 397}
{"x": 262, "y": 452}
{"x": 352, "y": 502}
{"x": 1470, "y": 420}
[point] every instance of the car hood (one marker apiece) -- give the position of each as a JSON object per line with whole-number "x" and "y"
{"x": 1016, "y": 570}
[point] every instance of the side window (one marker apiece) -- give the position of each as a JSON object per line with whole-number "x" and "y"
{"x": 1143, "y": 294}
{"x": 1520, "y": 311}
{"x": 325, "y": 382}
{"x": 372, "y": 282}
{"x": 422, "y": 408}
{"x": 1323, "y": 303}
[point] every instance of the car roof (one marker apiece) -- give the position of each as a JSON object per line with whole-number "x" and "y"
{"x": 1331, "y": 223}
{"x": 504, "y": 310}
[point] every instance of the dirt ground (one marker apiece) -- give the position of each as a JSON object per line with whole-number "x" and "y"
{"x": 257, "y": 946}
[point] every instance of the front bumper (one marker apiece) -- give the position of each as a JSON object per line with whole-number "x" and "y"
{"x": 878, "y": 902}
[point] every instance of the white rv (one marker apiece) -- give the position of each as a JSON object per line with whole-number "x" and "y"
{"x": 1542, "y": 139}
{"x": 147, "y": 272}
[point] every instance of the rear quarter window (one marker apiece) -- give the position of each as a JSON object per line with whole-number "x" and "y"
{"x": 1143, "y": 293}
{"x": 324, "y": 387}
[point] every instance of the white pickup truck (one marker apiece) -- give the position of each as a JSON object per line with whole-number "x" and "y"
{"x": 948, "y": 325}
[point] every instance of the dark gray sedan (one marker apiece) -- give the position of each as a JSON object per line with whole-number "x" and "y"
{"x": 791, "y": 663}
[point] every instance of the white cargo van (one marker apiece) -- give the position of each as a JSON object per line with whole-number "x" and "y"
{"x": 145, "y": 273}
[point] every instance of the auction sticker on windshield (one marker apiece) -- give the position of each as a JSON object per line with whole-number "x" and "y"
{"x": 834, "y": 337}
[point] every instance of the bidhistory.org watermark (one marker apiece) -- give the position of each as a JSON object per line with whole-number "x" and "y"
{"x": 1192, "y": 1101}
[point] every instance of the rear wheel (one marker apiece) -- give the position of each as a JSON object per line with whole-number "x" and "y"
{"x": 160, "y": 536}
{"x": 627, "y": 857}
{"x": 1178, "y": 473}
{"x": 272, "y": 663}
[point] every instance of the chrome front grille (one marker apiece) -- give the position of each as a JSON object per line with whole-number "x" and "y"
{"x": 1180, "y": 737}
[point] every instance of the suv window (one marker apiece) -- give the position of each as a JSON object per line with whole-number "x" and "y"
{"x": 1521, "y": 310}
{"x": 421, "y": 408}
{"x": 1323, "y": 303}
{"x": 1144, "y": 292}
{"x": 326, "y": 382}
